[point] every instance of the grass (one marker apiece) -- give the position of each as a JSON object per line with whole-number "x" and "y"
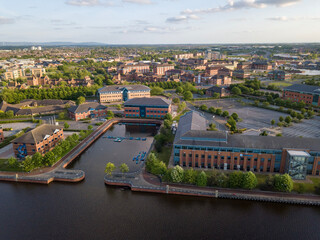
{"x": 281, "y": 84}
{"x": 307, "y": 187}
{"x": 165, "y": 154}
{"x": 4, "y": 167}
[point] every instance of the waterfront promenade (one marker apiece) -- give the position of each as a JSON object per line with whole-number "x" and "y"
{"x": 58, "y": 171}
{"x": 144, "y": 182}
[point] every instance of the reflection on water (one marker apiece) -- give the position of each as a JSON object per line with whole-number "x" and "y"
{"x": 91, "y": 210}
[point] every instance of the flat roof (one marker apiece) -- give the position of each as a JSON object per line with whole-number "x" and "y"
{"x": 298, "y": 153}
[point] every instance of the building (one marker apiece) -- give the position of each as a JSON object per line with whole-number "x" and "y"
{"x": 140, "y": 68}
{"x": 86, "y": 110}
{"x": 1, "y": 135}
{"x": 161, "y": 69}
{"x": 41, "y": 139}
{"x": 35, "y": 80}
{"x": 196, "y": 147}
{"x": 223, "y": 91}
{"x": 116, "y": 93}
{"x": 279, "y": 75}
{"x": 244, "y": 65}
{"x": 14, "y": 74}
{"x": 183, "y": 56}
{"x": 38, "y": 72}
{"x": 302, "y": 92}
{"x": 241, "y": 74}
{"x": 265, "y": 66}
{"x": 154, "y": 107}
{"x": 221, "y": 80}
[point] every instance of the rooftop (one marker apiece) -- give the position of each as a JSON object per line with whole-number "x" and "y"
{"x": 303, "y": 88}
{"x": 38, "y": 134}
{"x": 153, "y": 101}
{"x": 85, "y": 107}
{"x": 117, "y": 88}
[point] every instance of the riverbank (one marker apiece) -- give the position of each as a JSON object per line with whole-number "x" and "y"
{"x": 145, "y": 182}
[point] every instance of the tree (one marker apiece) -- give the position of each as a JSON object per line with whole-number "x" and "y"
{"x": 283, "y": 183}
{"x": 203, "y": 107}
{"x": 156, "y": 91}
{"x": 81, "y": 100}
{"x": 201, "y": 179}
{"x": 66, "y": 125}
{"x": 225, "y": 114}
{"x": 300, "y": 116}
{"x": 182, "y": 106}
{"x": 264, "y": 133}
{"x": 110, "y": 167}
{"x": 288, "y": 119}
{"x": 249, "y": 180}
{"x": 236, "y": 91}
{"x": 273, "y": 122}
{"x": 190, "y": 176}
{"x": 218, "y": 111}
{"x": 10, "y": 114}
{"x": 177, "y": 174}
{"x": 62, "y": 115}
{"x": 211, "y": 110}
{"x": 236, "y": 179}
{"x": 187, "y": 96}
{"x": 12, "y": 162}
{"x": 179, "y": 90}
{"x": 124, "y": 168}
{"x": 90, "y": 127}
{"x": 167, "y": 123}
{"x": 235, "y": 116}
{"x": 281, "y": 119}
{"x": 232, "y": 123}
{"x": 49, "y": 158}
{"x": 110, "y": 114}
{"x": 37, "y": 159}
{"x": 176, "y": 100}
{"x": 27, "y": 164}
{"x": 168, "y": 116}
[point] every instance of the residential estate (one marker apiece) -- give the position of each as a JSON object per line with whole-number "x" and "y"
{"x": 194, "y": 146}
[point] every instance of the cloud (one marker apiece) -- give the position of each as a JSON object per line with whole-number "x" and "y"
{"x": 4, "y": 20}
{"x": 142, "y": 2}
{"x": 242, "y": 4}
{"x": 87, "y": 3}
{"x": 285, "y": 19}
{"x": 182, "y": 18}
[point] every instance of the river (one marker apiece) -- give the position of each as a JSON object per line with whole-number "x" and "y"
{"x": 92, "y": 210}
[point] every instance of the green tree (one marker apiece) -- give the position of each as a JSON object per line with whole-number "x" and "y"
{"x": 66, "y": 125}
{"x": 37, "y": 159}
{"x": 201, "y": 179}
{"x": 232, "y": 123}
{"x": 249, "y": 180}
{"x": 168, "y": 116}
{"x": 236, "y": 179}
{"x": 273, "y": 122}
{"x": 124, "y": 168}
{"x": 218, "y": 112}
{"x": 110, "y": 167}
{"x": 187, "y": 96}
{"x": 27, "y": 164}
{"x": 177, "y": 174}
{"x": 156, "y": 91}
{"x": 264, "y": 133}
{"x": 281, "y": 119}
{"x": 110, "y": 114}
{"x": 176, "y": 100}
{"x": 283, "y": 183}
{"x": 90, "y": 127}
{"x": 235, "y": 116}
{"x": 62, "y": 115}
{"x": 81, "y": 100}
{"x": 212, "y": 110}
{"x": 288, "y": 119}
{"x": 49, "y": 158}
{"x": 12, "y": 162}
{"x": 225, "y": 114}
{"x": 203, "y": 107}
{"x": 182, "y": 106}
{"x": 236, "y": 91}
{"x": 179, "y": 90}
{"x": 10, "y": 114}
{"x": 190, "y": 176}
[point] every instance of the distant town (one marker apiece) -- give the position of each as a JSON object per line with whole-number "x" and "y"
{"x": 226, "y": 116}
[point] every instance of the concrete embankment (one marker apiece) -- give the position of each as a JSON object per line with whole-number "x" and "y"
{"x": 215, "y": 193}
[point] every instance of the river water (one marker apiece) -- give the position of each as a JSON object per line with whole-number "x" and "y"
{"x": 92, "y": 210}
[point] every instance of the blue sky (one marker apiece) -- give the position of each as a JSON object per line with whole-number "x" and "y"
{"x": 160, "y": 21}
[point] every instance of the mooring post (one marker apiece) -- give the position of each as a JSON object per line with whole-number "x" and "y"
{"x": 216, "y": 194}
{"x": 16, "y": 177}
{"x": 167, "y": 189}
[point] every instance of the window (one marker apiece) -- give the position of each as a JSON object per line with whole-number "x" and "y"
{"x": 190, "y": 154}
{"x": 202, "y": 156}
{"x": 197, "y": 155}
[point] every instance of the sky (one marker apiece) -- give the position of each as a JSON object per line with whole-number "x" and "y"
{"x": 160, "y": 21}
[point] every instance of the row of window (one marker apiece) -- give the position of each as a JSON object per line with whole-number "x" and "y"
{"x": 222, "y": 157}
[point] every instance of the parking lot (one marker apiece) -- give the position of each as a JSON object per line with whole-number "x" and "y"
{"x": 17, "y": 127}
{"x": 259, "y": 118}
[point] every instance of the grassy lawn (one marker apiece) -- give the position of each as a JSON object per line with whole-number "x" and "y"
{"x": 4, "y": 167}
{"x": 281, "y": 84}
{"x": 165, "y": 154}
{"x": 307, "y": 187}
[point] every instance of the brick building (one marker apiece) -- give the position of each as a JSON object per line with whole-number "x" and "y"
{"x": 261, "y": 66}
{"x": 161, "y": 69}
{"x": 241, "y": 74}
{"x": 87, "y": 110}
{"x": 41, "y": 139}
{"x": 14, "y": 74}
{"x": 141, "y": 68}
{"x": 279, "y": 75}
{"x": 154, "y": 107}
{"x": 223, "y": 91}
{"x": 116, "y": 93}
{"x": 302, "y": 92}
{"x": 198, "y": 148}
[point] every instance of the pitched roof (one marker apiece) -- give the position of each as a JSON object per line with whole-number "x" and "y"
{"x": 85, "y": 107}
{"x": 120, "y": 88}
{"x": 153, "y": 101}
{"x": 38, "y": 134}
{"x": 303, "y": 88}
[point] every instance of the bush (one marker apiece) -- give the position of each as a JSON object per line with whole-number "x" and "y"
{"x": 283, "y": 183}
{"x": 201, "y": 179}
{"x": 236, "y": 179}
{"x": 249, "y": 180}
{"x": 190, "y": 176}
{"x": 177, "y": 174}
